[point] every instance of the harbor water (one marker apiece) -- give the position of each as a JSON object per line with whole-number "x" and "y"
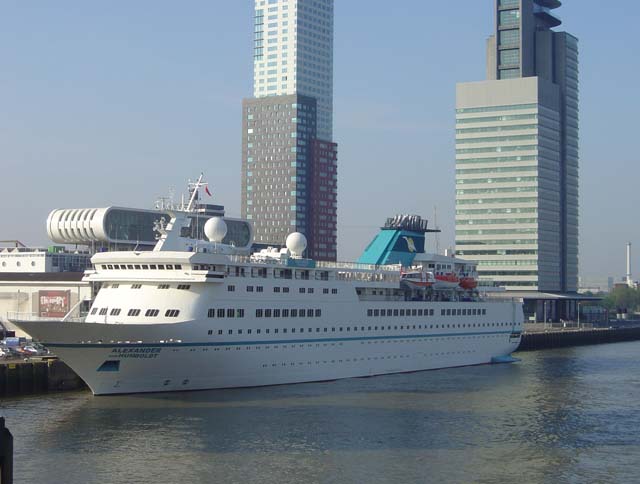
{"x": 570, "y": 415}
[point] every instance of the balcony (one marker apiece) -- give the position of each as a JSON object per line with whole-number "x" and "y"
{"x": 544, "y": 14}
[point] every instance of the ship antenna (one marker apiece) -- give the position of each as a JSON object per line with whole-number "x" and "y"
{"x": 435, "y": 223}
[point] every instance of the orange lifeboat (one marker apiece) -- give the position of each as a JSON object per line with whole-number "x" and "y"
{"x": 447, "y": 281}
{"x": 468, "y": 283}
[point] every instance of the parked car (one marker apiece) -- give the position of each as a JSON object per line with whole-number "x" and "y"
{"x": 30, "y": 350}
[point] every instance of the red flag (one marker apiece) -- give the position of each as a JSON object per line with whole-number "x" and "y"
{"x": 206, "y": 189}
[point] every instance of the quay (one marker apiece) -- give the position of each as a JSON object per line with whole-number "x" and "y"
{"x": 538, "y": 337}
{"x": 37, "y": 376}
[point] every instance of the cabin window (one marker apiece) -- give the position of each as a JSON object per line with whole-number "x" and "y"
{"x": 169, "y": 267}
{"x": 302, "y": 290}
{"x": 240, "y": 313}
{"x": 184, "y": 287}
{"x": 249, "y": 288}
{"x": 133, "y": 312}
{"x": 285, "y": 289}
{"x": 285, "y": 313}
{"x": 259, "y": 289}
{"x": 318, "y": 313}
{"x": 220, "y": 313}
{"x": 294, "y": 313}
{"x": 231, "y": 313}
{"x": 376, "y": 312}
{"x": 163, "y": 286}
{"x": 334, "y": 291}
{"x": 369, "y": 312}
{"x": 161, "y": 267}
{"x": 152, "y": 313}
{"x": 310, "y": 313}
{"x": 115, "y": 312}
{"x": 136, "y": 286}
{"x": 172, "y": 313}
{"x": 276, "y": 289}
{"x": 211, "y": 313}
{"x": 258, "y": 313}
{"x": 94, "y": 310}
{"x": 177, "y": 267}
{"x": 276, "y": 313}
{"x": 231, "y": 288}
{"x": 325, "y": 290}
{"x": 301, "y": 313}
{"x": 267, "y": 313}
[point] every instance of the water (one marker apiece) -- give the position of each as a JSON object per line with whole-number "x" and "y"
{"x": 558, "y": 416}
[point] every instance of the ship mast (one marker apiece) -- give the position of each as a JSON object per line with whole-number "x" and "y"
{"x": 194, "y": 188}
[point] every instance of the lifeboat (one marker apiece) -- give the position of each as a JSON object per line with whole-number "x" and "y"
{"x": 447, "y": 281}
{"x": 417, "y": 279}
{"x": 468, "y": 283}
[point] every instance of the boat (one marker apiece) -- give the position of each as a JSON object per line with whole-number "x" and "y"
{"x": 419, "y": 279}
{"x": 202, "y": 313}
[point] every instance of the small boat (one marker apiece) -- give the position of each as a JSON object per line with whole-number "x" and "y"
{"x": 448, "y": 280}
{"x": 417, "y": 279}
{"x": 468, "y": 283}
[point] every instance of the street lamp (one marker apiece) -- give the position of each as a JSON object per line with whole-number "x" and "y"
{"x": 579, "y": 314}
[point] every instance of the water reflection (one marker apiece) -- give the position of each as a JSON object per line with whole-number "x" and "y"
{"x": 552, "y": 418}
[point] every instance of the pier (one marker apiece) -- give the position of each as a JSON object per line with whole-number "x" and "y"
{"x": 540, "y": 338}
{"x": 37, "y": 377}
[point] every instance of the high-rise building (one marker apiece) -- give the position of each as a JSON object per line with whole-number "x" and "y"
{"x": 517, "y": 154}
{"x": 289, "y": 162}
{"x": 517, "y": 160}
{"x": 293, "y": 53}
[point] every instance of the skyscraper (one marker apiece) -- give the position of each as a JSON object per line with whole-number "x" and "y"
{"x": 517, "y": 154}
{"x": 289, "y": 162}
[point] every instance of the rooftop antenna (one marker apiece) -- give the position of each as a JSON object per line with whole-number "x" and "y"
{"x": 435, "y": 225}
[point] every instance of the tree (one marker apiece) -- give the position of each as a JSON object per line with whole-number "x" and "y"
{"x": 622, "y": 298}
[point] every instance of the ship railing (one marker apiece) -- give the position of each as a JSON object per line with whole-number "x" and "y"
{"x": 356, "y": 266}
{"x": 26, "y": 316}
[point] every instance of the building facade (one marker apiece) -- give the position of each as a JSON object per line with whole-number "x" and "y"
{"x": 288, "y": 156}
{"x": 517, "y": 154}
{"x": 293, "y": 53}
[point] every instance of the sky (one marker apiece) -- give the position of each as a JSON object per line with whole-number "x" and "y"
{"x": 117, "y": 103}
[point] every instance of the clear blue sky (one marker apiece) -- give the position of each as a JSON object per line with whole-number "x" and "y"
{"x": 105, "y": 103}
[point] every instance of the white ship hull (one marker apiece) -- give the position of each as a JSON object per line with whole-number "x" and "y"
{"x": 257, "y": 360}
{"x": 191, "y": 315}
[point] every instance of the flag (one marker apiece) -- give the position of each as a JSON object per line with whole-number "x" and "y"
{"x": 206, "y": 189}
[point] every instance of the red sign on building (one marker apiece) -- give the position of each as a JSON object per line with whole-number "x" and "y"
{"x": 54, "y": 304}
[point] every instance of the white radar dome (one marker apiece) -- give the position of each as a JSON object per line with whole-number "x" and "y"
{"x": 296, "y": 243}
{"x": 215, "y": 229}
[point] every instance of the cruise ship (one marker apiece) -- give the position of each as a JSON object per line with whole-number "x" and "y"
{"x": 195, "y": 314}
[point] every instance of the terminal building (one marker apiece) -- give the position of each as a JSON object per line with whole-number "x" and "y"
{"x": 42, "y": 282}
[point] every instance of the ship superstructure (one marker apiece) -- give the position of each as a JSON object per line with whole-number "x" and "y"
{"x": 195, "y": 314}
